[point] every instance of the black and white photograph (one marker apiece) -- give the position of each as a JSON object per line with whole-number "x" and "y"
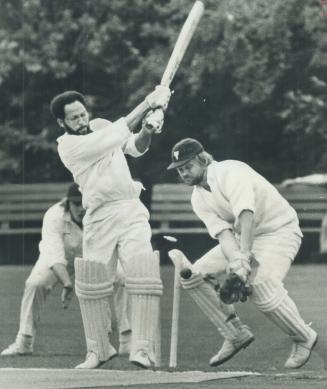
{"x": 163, "y": 194}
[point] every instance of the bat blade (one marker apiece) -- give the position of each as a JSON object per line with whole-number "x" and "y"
{"x": 182, "y": 42}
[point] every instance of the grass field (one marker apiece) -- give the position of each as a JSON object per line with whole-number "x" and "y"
{"x": 60, "y": 341}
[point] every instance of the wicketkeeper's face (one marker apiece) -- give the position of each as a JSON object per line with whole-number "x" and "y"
{"x": 192, "y": 172}
{"x": 76, "y": 117}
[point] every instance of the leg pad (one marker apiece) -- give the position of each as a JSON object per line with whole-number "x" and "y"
{"x": 145, "y": 289}
{"x": 93, "y": 291}
{"x": 273, "y": 300}
{"x": 206, "y": 298}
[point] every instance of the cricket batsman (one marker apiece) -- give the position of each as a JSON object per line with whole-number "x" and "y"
{"x": 259, "y": 237}
{"x": 116, "y": 222}
{"x": 61, "y": 242}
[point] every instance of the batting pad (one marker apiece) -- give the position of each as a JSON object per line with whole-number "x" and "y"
{"x": 206, "y": 298}
{"x": 93, "y": 291}
{"x": 273, "y": 300}
{"x": 145, "y": 289}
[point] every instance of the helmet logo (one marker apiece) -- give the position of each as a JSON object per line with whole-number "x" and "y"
{"x": 176, "y": 155}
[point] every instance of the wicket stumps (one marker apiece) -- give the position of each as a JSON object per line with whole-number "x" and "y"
{"x": 180, "y": 262}
{"x": 157, "y": 343}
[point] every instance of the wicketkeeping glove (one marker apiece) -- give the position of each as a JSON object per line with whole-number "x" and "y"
{"x": 234, "y": 289}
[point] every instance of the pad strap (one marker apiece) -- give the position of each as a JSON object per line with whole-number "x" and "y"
{"x": 144, "y": 286}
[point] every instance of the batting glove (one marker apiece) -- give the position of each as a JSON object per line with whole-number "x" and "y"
{"x": 153, "y": 121}
{"x": 159, "y": 98}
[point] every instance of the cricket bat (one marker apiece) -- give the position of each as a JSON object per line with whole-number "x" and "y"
{"x": 182, "y": 43}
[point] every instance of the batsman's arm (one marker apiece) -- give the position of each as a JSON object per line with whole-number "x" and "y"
{"x": 135, "y": 116}
{"x": 151, "y": 124}
{"x": 143, "y": 140}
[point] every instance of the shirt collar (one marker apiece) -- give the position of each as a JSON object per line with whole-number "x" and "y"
{"x": 210, "y": 173}
{"x": 61, "y": 138}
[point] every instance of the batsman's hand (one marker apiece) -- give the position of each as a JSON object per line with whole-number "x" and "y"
{"x": 153, "y": 121}
{"x": 234, "y": 289}
{"x": 67, "y": 295}
{"x": 159, "y": 98}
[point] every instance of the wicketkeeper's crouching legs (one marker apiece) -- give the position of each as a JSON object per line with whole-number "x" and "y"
{"x": 237, "y": 335}
{"x": 273, "y": 300}
{"x": 93, "y": 291}
{"x": 144, "y": 288}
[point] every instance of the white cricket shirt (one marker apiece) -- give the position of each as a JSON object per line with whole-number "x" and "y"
{"x": 61, "y": 238}
{"x": 99, "y": 166}
{"x": 236, "y": 187}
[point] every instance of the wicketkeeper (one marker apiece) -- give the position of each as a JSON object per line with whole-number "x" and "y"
{"x": 259, "y": 237}
{"x": 61, "y": 243}
{"x": 116, "y": 222}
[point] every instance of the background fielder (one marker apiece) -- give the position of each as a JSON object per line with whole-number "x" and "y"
{"x": 61, "y": 242}
{"x": 259, "y": 238}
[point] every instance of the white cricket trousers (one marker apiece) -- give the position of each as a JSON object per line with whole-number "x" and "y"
{"x": 40, "y": 283}
{"x": 124, "y": 233}
{"x": 275, "y": 253}
{"x": 37, "y": 287}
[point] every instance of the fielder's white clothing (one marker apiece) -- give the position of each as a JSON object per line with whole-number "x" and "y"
{"x": 236, "y": 187}
{"x": 275, "y": 253}
{"x": 116, "y": 221}
{"x": 61, "y": 242}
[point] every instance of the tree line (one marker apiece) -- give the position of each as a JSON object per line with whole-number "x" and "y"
{"x": 252, "y": 85}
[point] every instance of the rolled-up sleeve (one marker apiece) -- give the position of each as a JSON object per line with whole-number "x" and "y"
{"x": 130, "y": 148}
{"x": 238, "y": 187}
{"x": 51, "y": 247}
{"x": 215, "y": 224}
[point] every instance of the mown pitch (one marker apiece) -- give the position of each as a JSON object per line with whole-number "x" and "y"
{"x": 60, "y": 342}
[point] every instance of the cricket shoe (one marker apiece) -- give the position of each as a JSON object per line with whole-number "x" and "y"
{"x": 125, "y": 343}
{"x": 23, "y": 346}
{"x": 301, "y": 352}
{"x": 141, "y": 359}
{"x": 92, "y": 360}
{"x": 232, "y": 347}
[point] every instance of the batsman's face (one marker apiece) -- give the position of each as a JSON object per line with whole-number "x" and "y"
{"x": 76, "y": 117}
{"x": 192, "y": 172}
